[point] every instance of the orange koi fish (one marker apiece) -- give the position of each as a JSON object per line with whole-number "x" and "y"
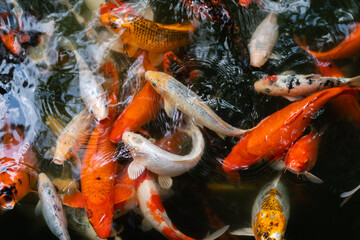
{"x": 137, "y": 32}
{"x": 97, "y": 178}
{"x": 348, "y": 48}
{"x": 245, "y": 3}
{"x": 153, "y": 211}
{"x": 143, "y": 108}
{"x": 276, "y": 133}
{"x": 302, "y": 156}
{"x": 18, "y": 167}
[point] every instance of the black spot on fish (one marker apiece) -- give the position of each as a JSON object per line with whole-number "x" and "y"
{"x": 20, "y": 181}
{"x": 267, "y": 90}
{"x": 292, "y": 79}
{"x": 329, "y": 83}
{"x": 297, "y": 82}
{"x": 89, "y": 213}
{"x": 309, "y": 80}
{"x": 98, "y": 178}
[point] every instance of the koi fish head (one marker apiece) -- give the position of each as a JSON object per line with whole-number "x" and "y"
{"x": 297, "y": 165}
{"x": 99, "y": 109}
{"x": 269, "y": 225}
{"x": 133, "y": 141}
{"x": 267, "y": 85}
{"x": 158, "y": 80}
{"x": 101, "y": 217}
{"x": 7, "y": 197}
{"x": 117, "y": 20}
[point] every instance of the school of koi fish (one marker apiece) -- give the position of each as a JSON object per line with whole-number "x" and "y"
{"x": 140, "y": 120}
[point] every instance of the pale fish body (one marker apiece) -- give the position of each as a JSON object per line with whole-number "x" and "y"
{"x": 52, "y": 209}
{"x": 91, "y": 90}
{"x": 154, "y": 213}
{"x": 74, "y": 135}
{"x": 177, "y": 95}
{"x": 148, "y": 155}
{"x": 295, "y": 87}
{"x": 270, "y": 213}
{"x": 263, "y": 40}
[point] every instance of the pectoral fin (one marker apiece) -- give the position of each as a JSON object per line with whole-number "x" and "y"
{"x": 243, "y": 232}
{"x": 146, "y": 225}
{"x": 129, "y": 48}
{"x": 75, "y": 200}
{"x": 135, "y": 170}
{"x": 38, "y": 208}
{"x": 165, "y": 181}
{"x": 122, "y": 192}
{"x": 293, "y": 99}
{"x": 155, "y": 58}
{"x": 169, "y": 108}
{"x": 313, "y": 178}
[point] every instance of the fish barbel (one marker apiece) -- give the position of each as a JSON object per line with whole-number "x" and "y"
{"x": 177, "y": 95}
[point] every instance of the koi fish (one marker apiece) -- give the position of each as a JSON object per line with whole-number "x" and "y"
{"x": 245, "y": 3}
{"x": 302, "y": 156}
{"x": 263, "y": 40}
{"x": 294, "y": 87}
{"x": 153, "y": 211}
{"x": 51, "y": 208}
{"x": 9, "y": 28}
{"x": 177, "y": 95}
{"x": 270, "y": 213}
{"x": 137, "y": 32}
{"x": 143, "y": 108}
{"x": 275, "y": 134}
{"x": 147, "y": 155}
{"x": 18, "y": 167}
{"x": 65, "y": 185}
{"x": 74, "y": 135}
{"x": 347, "y": 48}
{"x": 174, "y": 66}
{"x": 97, "y": 178}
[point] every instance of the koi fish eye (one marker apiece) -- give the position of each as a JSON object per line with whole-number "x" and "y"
{"x": 91, "y": 111}
{"x": 113, "y": 24}
{"x": 267, "y": 90}
{"x": 153, "y": 83}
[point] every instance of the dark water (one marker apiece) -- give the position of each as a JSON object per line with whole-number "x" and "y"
{"x": 202, "y": 199}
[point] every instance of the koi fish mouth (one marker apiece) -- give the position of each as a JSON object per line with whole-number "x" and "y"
{"x": 7, "y": 200}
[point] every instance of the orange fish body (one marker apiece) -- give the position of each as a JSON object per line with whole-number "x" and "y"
{"x": 138, "y": 32}
{"x": 143, "y": 108}
{"x": 302, "y": 155}
{"x": 18, "y": 167}
{"x": 348, "y": 48}
{"x": 276, "y": 133}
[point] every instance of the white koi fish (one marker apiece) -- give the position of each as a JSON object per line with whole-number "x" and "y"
{"x": 74, "y": 135}
{"x": 51, "y": 208}
{"x": 155, "y": 215}
{"x": 295, "y": 87}
{"x": 177, "y": 95}
{"x": 263, "y": 40}
{"x": 148, "y": 155}
{"x": 270, "y": 213}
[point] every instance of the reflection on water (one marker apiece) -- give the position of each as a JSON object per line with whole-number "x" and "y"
{"x": 44, "y": 82}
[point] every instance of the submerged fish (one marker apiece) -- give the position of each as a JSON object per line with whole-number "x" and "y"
{"x": 154, "y": 213}
{"x": 74, "y": 135}
{"x": 276, "y": 133}
{"x": 176, "y": 95}
{"x": 18, "y": 167}
{"x": 270, "y": 213}
{"x": 51, "y": 207}
{"x": 263, "y": 40}
{"x": 294, "y": 87}
{"x": 147, "y": 155}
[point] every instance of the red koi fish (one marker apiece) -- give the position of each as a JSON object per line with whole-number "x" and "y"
{"x": 97, "y": 178}
{"x": 18, "y": 167}
{"x": 245, "y": 3}
{"x": 9, "y": 28}
{"x": 302, "y": 156}
{"x": 276, "y": 133}
{"x": 143, "y": 108}
{"x": 348, "y": 48}
{"x": 153, "y": 211}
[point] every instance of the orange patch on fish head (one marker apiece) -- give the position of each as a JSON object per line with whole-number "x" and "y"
{"x": 269, "y": 225}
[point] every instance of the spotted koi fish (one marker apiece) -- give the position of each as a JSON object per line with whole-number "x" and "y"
{"x": 270, "y": 213}
{"x": 154, "y": 212}
{"x": 18, "y": 167}
{"x": 294, "y": 87}
{"x": 9, "y": 28}
{"x": 276, "y": 133}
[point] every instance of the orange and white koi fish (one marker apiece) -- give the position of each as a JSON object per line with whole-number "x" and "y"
{"x": 263, "y": 40}
{"x": 137, "y": 32}
{"x": 302, "y": 156}
{"x": 270, "y": 213}
{"x": 97, "y": 178}
{"x": 153, "y": 211}
{"x": 294, "y": 87}
{"x": 245, "y": 3}
{"x": 147, "y": 155}
{"x": 143, "y": 108}
{"x": 18, "y": 167}
{"x": 51, "y": 207}
{"x": 276, "y": 133}
{"x": 177, "y": 95}
{"x": 348, "y": 48}
{"x": 74, "y": 135}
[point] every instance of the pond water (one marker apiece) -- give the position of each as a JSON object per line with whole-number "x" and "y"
{"x": 203, "y": 199}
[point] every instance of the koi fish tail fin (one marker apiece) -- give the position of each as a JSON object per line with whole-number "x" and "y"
{"x": 354, "y": 82}
{"x": 217, "y": 234}
{"x": 243, "y": 232}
